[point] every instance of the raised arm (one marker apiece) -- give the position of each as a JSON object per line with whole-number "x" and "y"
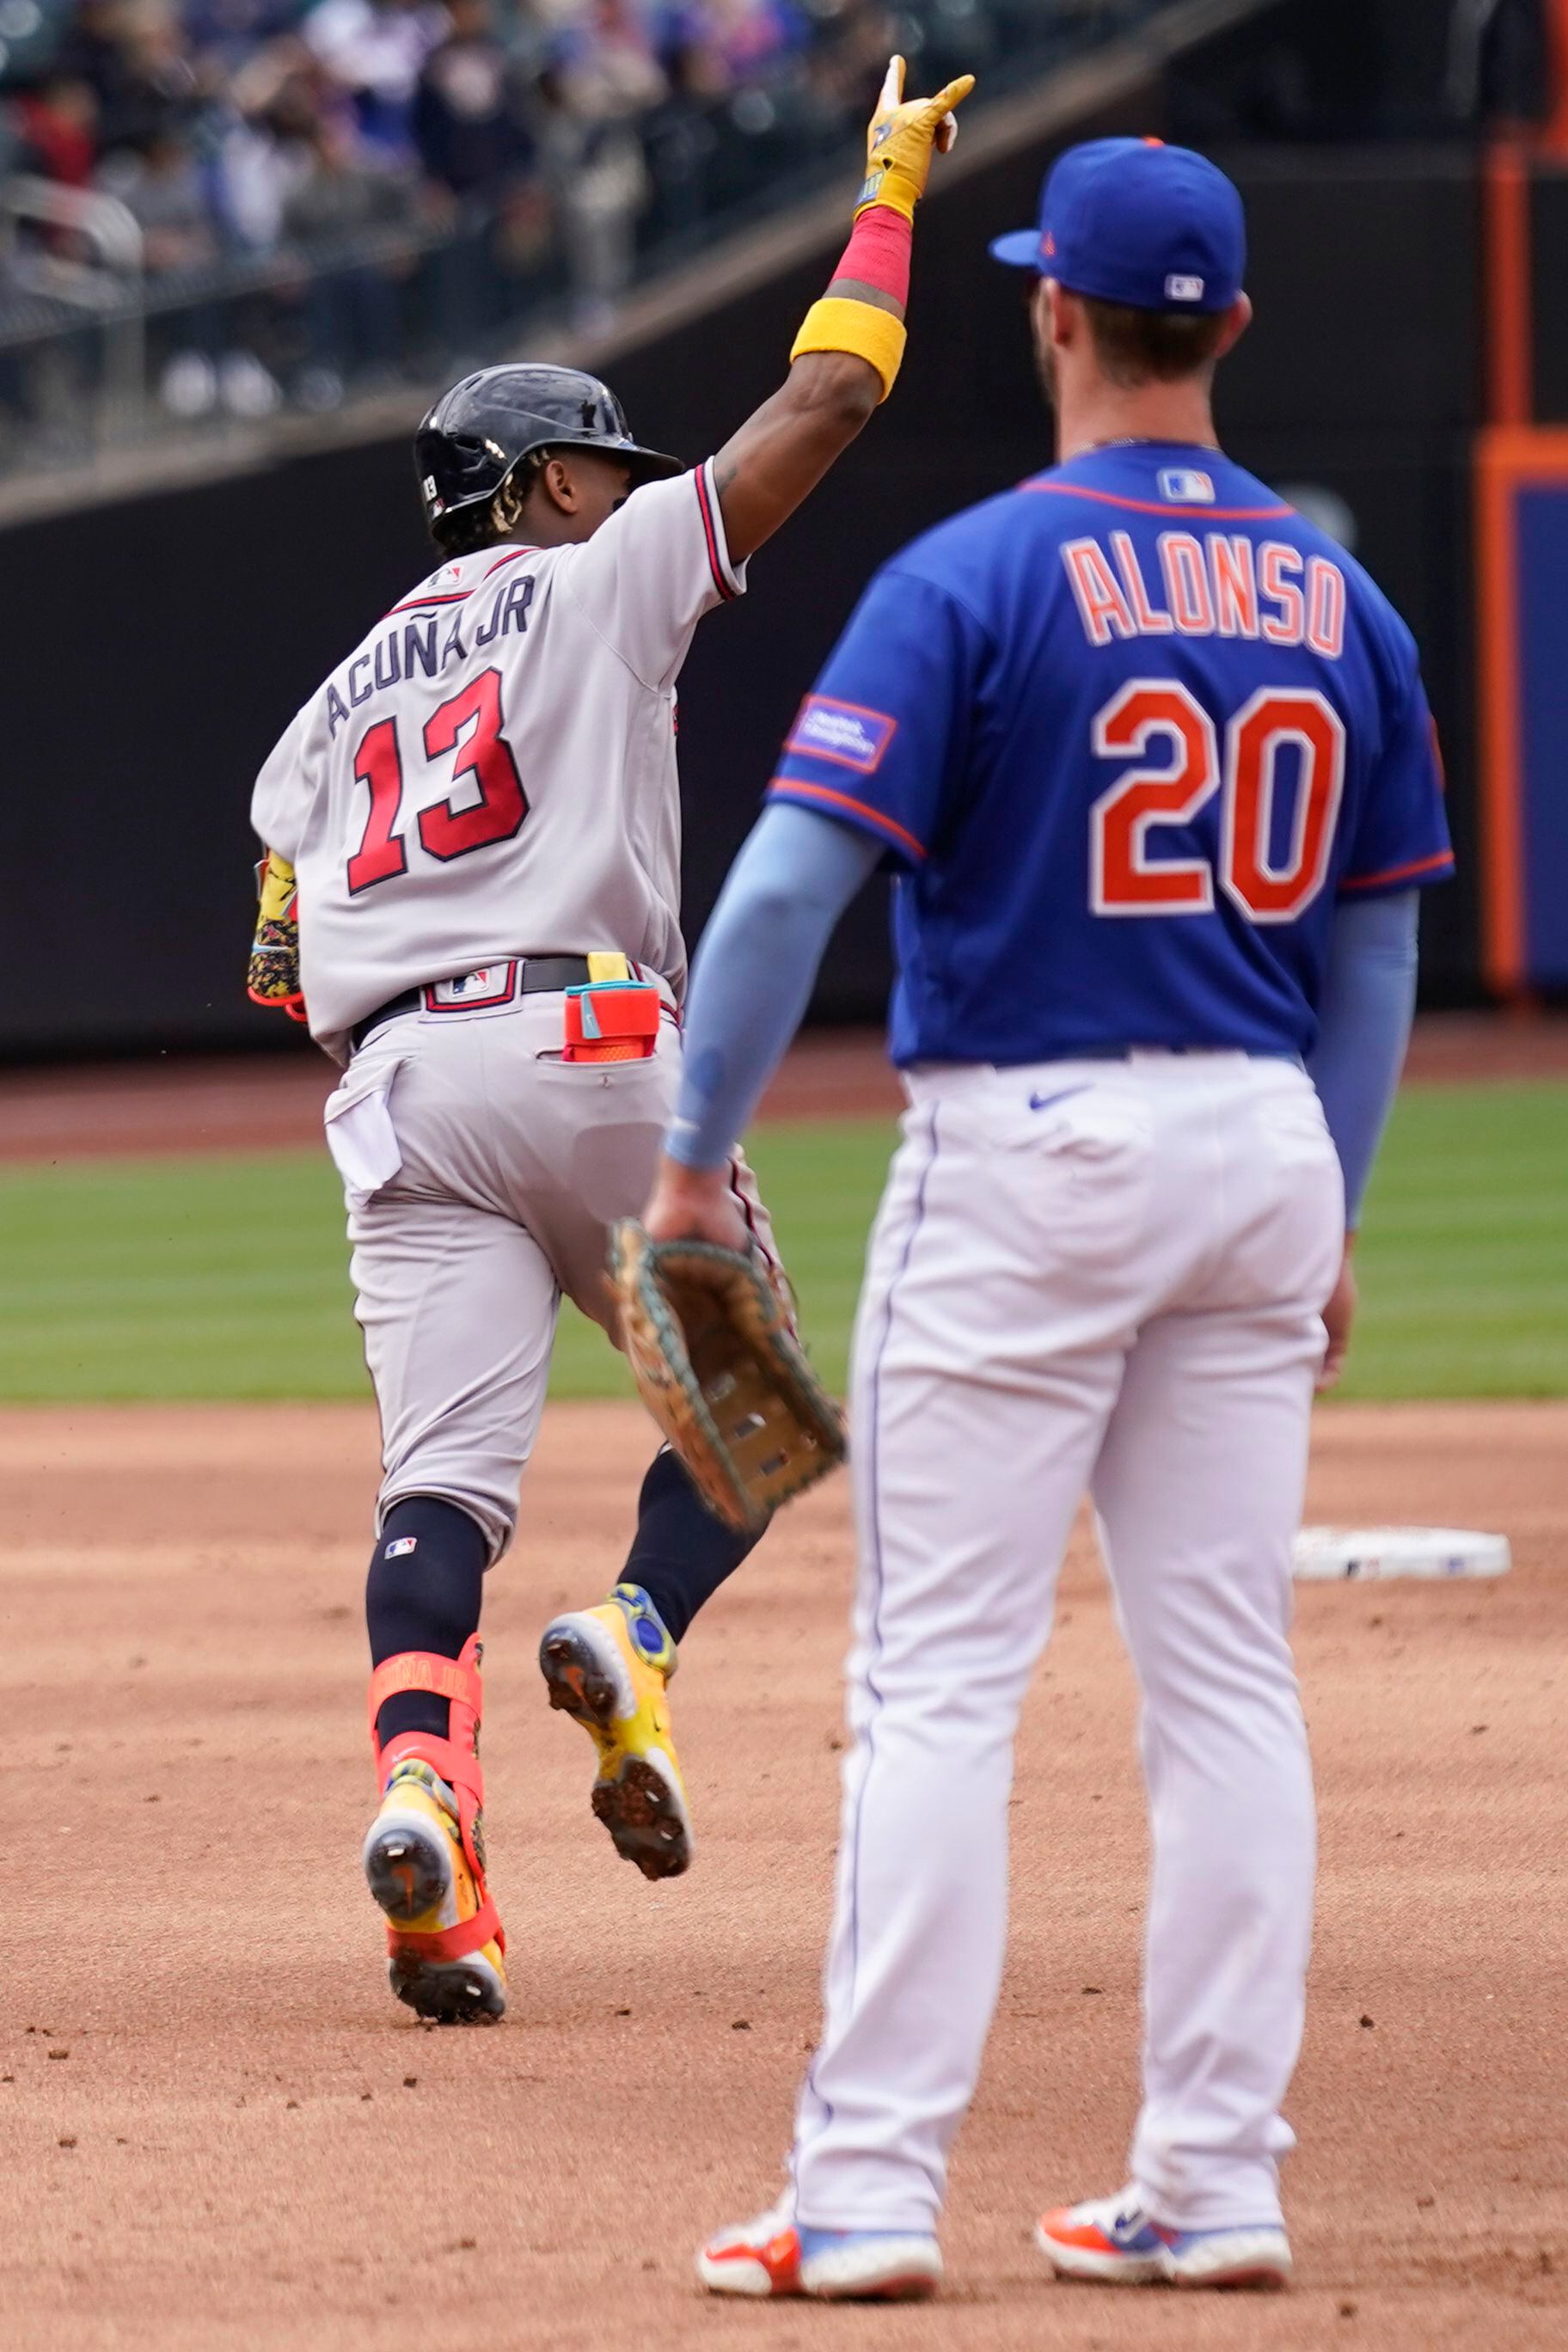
{"x": 848, "y": 350}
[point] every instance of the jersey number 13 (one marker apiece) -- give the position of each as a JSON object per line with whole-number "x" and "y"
{"x": 1148, "y": 712}
{"x": 446, "y": 831}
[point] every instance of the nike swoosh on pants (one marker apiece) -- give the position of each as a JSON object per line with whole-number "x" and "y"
{"x": 1043, "y": 1102}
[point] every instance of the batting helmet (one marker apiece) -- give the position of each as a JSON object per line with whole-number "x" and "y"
{"x": 486, "y": 424}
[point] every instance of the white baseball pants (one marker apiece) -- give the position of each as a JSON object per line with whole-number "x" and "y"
{"x": 1103, "y": 1276}
{"x": 482, "y": 1175}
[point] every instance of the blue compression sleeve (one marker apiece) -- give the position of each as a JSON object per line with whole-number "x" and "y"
{"x": 1369, "y": 999}
{"x": 753, "y": 974}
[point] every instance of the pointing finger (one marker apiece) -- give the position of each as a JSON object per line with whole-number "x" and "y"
{"x": 892, "y": 86}
{"x": 954, "y": 94}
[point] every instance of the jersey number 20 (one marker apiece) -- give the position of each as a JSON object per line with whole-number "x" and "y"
{"x": 1125, "y": 880}
{"x": 445, "y": 831}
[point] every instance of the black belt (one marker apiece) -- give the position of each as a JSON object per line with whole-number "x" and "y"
{"x": 1123, "y": 1052}
{"x": 537, "y": 976}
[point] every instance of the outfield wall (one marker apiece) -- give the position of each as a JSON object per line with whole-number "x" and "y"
{"x": 176, "y": 634}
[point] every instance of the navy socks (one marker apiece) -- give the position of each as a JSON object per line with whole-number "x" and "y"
{"x": 680, "y": 1554}
{"x": 426, "y": 1578}
{"x": 424, "y": 1593}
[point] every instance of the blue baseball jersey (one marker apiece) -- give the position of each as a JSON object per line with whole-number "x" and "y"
{"x": 1127, "y": 732}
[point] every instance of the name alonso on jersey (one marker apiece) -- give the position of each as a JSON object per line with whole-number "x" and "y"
{"x": 1224, "y": 584}
{"x": 422, "y": 646}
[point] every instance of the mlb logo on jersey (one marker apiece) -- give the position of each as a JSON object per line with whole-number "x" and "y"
{"x": 844, "y": 733}
{"x": 1184, "y": 486}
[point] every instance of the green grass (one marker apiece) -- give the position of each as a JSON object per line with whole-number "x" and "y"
{"x": 1463, "y": 1258}
{"x": 228, "y": 1278}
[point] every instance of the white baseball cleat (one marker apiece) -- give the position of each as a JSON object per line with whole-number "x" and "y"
{"x": 772, "y": 2255}
{"x": 1113, "y": 2241}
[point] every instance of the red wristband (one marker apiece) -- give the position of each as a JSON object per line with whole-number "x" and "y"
{"x": 878, "y": 252}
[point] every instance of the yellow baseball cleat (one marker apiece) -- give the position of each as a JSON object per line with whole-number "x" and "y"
{"x": 607, "y": 1668}
{"x": 424, "y": 1855}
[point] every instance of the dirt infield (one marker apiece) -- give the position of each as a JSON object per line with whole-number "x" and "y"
{"x": 246, "y": 1104}
{"x": 219, "y": 2131}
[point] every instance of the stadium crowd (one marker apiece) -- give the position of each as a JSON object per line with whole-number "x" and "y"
{"x": 393, "y": 178}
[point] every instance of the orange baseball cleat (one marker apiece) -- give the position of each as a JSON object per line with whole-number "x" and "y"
{"x": 424, "y": 1856}
{"x": 774, "y": 2255}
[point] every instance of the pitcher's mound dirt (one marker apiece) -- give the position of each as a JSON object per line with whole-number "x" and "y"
{"x": 217, "y": 2131}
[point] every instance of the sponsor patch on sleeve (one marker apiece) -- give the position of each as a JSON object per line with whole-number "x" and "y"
{"x": 844, "y": 733}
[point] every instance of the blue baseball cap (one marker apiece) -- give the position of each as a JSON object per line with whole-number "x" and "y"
{"x": 1135, "y": 222}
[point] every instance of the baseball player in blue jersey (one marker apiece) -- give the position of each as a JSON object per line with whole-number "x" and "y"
{"x": 1150, "y": 760}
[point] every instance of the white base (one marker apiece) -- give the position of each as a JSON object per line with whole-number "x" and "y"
{"x": 1352, "y": 1555}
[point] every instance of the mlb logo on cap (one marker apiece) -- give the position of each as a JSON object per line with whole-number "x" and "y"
{"x": 1134, "y": 221}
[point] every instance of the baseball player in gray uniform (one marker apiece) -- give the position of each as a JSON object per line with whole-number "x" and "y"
{"x": 471, "y": 894}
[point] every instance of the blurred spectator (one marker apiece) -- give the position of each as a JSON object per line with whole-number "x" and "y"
{"x": 469, "y": 114}
{"x": 261, "y": 152}
{"x": 135, "y": 56}
{"x": 162, "y": 184}
{"x": 472, "y": 125}
{"x": 228, "y": 32}
{"x": 330, "y": 189}
{"x": 352, "y": 309}
{"x": 93, "y": 50}
{"x": 608, "y": 69}
{"x": 603, "y": 74}
{"x": 600, "y": 192}
{"x": 725, "y": 42}
{"x": 376, "y": 50}
{"x": 58, "y": 127}
{"x": 344, "y": 189}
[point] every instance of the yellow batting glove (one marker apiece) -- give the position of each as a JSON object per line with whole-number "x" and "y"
{"x": 276, "y": 888}
{"x": 273, "y": 979}
{"x": 902, "y": 139}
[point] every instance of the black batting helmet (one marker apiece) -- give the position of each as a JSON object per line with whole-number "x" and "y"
{"x": 485, "y": 425}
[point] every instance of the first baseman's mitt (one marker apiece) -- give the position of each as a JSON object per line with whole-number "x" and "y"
{"x": 723, "y": 1373}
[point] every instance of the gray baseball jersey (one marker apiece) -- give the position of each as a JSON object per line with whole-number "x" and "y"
{"x": 492, "y": 772}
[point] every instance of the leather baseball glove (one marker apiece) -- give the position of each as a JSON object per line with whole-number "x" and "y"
{"x": 719, "y": 1366}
